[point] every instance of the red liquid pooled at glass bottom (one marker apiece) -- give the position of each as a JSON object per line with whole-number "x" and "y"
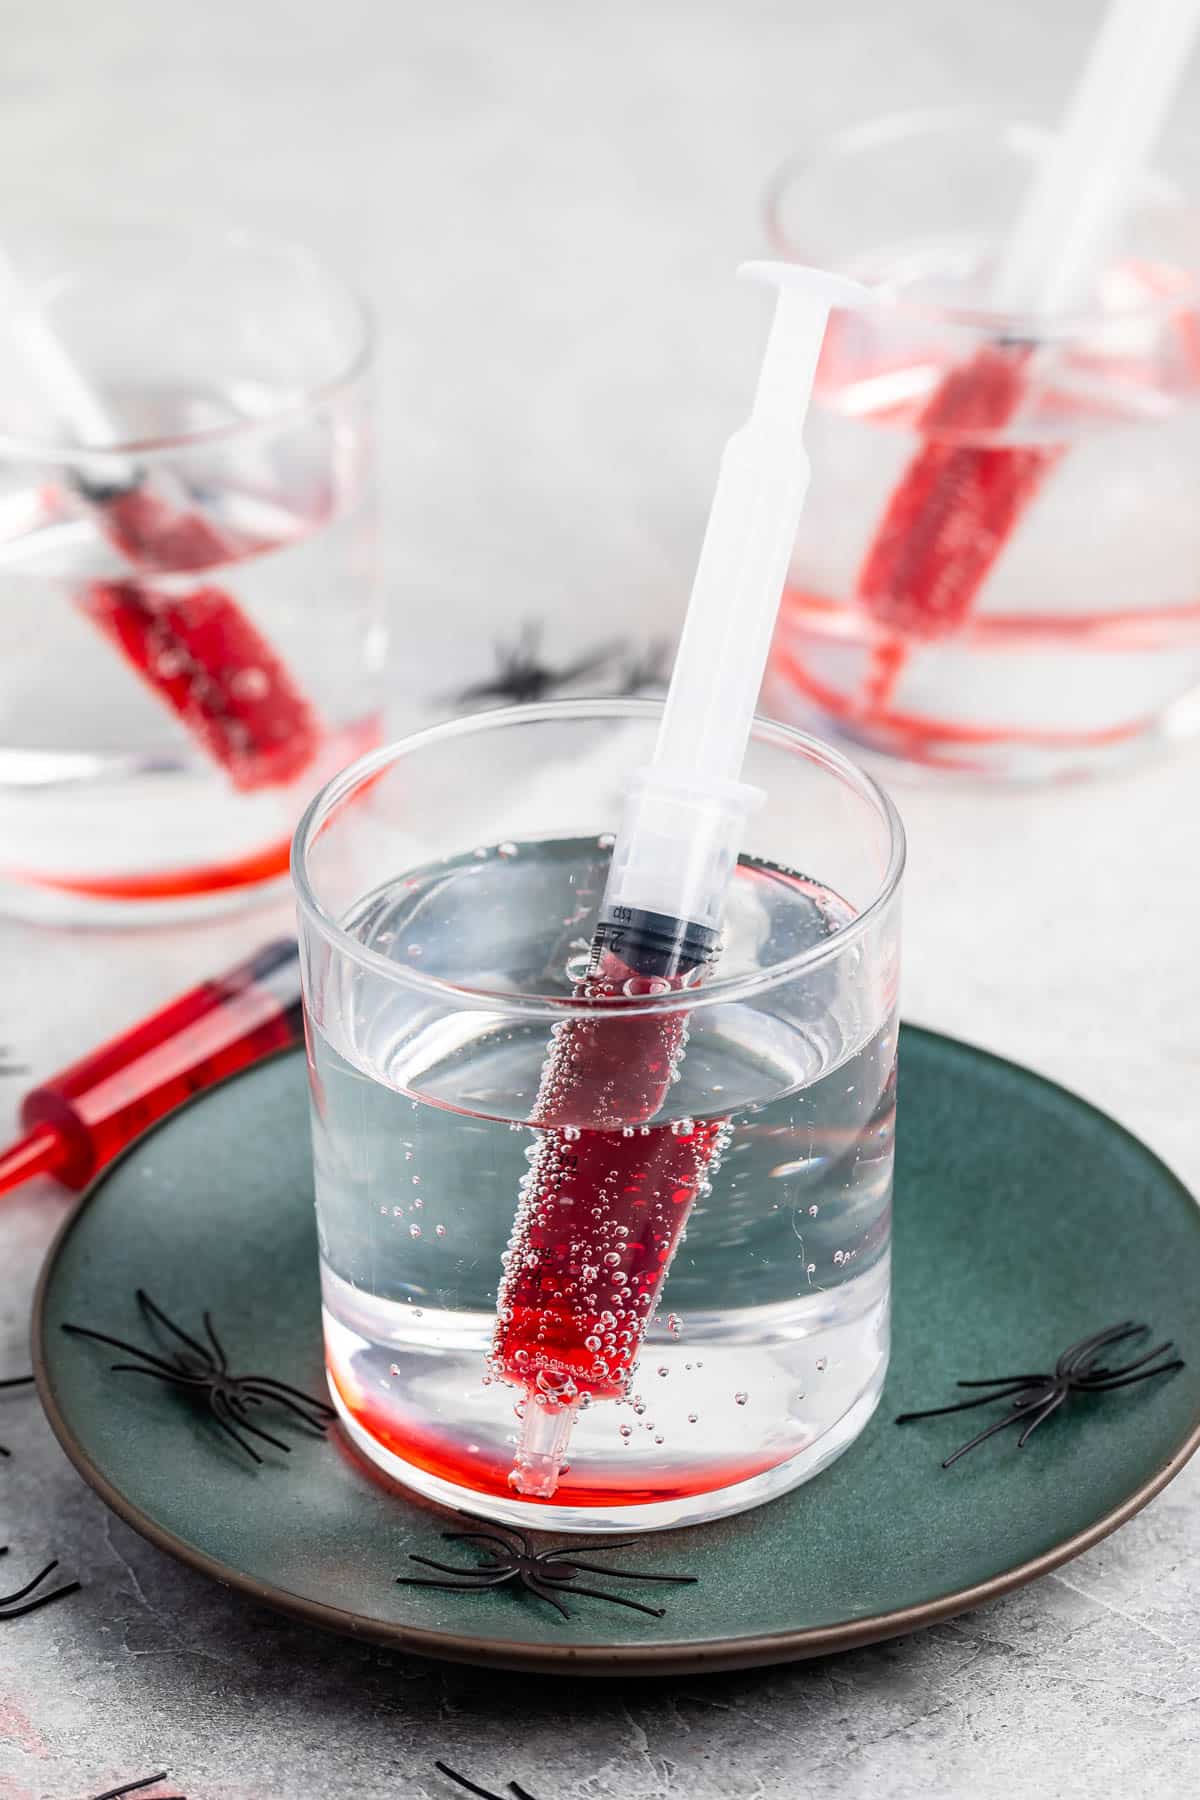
{"x": 605, "y": 1201}
{"x": 480, "y": 1470}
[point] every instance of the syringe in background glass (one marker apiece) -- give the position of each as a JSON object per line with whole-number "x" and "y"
{"x": 965, "y": 490}
{"x": 78, "y": 1120}
{"x": 194, "y": 647}
{"x": 608, "y": 1193}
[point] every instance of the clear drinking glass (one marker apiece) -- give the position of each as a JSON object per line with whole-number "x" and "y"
{"x": 1036, "y": 609}
{"x": 190, "y": 628}
{"x": 448, "y": 887}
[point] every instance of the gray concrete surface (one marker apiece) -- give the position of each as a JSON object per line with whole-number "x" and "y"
{"x": 581, "y": 180}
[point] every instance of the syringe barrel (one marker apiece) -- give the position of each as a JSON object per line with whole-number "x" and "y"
{"x": 103, "y": 1101}
{"x": 678, "y": 846}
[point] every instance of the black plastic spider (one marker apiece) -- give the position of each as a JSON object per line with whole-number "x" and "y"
{"x": 131, "y": 1787}
{"x": 204, "y": 1372}
{"x": 10, "y": 1607}
{"x": 521, "y": 675}
{"x": 546, "y": 1573}
{"x": 14, "y": 1381}
{"x": 514, "y": 1787}
{"x": 1077, "y": 1371}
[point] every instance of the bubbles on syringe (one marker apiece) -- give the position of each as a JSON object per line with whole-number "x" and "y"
{"x": 644, "y": 987}
{"x": 606, "y": 840}
{"x": 507, "y": 850}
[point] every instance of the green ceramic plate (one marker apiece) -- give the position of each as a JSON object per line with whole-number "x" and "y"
{"x": 1024, "y": 1219}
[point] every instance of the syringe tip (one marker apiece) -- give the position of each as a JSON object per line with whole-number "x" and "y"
{"x": 39, "y": 1152}
{"x": 545, "y": 1434}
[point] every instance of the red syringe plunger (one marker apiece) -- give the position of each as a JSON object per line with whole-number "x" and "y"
{"x": 78, "y": 1120}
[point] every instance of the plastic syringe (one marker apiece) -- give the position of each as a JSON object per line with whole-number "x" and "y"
{"x": 198, "y": 651}
{"x": 963, "y": 493}
{"x": 608, "y": 1194}
{"x": 76, "y": 1121}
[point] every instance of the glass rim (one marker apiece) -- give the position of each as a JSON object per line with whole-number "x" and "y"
{"x": 722, "y": 990}
{"x": 880, "y": 129}
{"x": 303, "y": 399}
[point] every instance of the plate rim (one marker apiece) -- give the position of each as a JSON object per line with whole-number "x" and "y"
{"x": 710, "y": 1656}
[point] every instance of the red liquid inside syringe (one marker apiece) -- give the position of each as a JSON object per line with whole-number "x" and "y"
{"x": 199, "y": 651}
{"x": 607, "y": 1195}
{"x": 79, "y": 1119}
{"x": 953, "y": 510}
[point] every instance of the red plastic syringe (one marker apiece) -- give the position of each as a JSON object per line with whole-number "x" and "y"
{"x": 78, "y": 1120}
